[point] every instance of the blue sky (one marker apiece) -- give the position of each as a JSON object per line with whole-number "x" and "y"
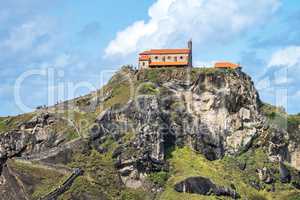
{"x": 81, "y": 43}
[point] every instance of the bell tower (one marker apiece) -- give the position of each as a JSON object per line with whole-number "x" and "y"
{"x": 190, "y": 46}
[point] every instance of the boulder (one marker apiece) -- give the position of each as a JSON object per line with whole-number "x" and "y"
{"x": 197, "y": 185}
{"x": 204, "y": 186}
{"x": 285, "y": 175}
{"x": 265, "y": 175}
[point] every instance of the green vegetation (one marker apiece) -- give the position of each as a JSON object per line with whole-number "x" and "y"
{"x": 120, "y": 95}
{"x": 100, "y": 178}
{"x": 40, "y": 180}
{"x": 10, "y": 123}
{"x": 81, "y": 120}
{"x": 186, "y": 163}
{"x": 276, "y": 115}
{"x": 123, "y": 85}
{"x": 128, "y": 136}
{"x": 99, "y": 175}
{"x": 71, "y": 135}
{"x": 279, "y": 118}
{"x": 292, "y": 196}
{"x": 130, "y": 194}
{"x": 154, "y": 75}
{"x": 83, "y": 101}
{"x": 121, "y": 88}
{"x": 3, "y": 124}
{"x": 168, "y": 74}
{"x": 158, "y": 178}
{"x": 294, "y": 127}
{"x": 148, "y": 89}
{"x": 257, "y": 197}
{"x": 209, "y": 70}
{"x": 271, "y": 111}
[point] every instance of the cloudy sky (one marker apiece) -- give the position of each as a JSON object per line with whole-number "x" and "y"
{"x": 55, "y": 50}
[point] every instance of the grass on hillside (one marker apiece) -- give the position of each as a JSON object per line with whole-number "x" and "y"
{"x": 3, "y": 124}
{"x": 100, "y": 178}
{"x": 11, "y": 123}
{"x": 148, "y": 89}
{"x": 38, "y": 181}
{"x": 121, "y": 86}
{"x": 186, "y": 163}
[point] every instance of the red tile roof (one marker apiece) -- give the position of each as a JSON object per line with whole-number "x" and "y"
{"x": 166, "y": 51}
{"x": 226, "y": 65}
{"x": 144, "y": 57}
{"x": 168, "y": 63}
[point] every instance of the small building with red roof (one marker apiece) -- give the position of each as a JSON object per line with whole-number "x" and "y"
{"x": 227, "y": 65}
{"x": 156, "y": 58}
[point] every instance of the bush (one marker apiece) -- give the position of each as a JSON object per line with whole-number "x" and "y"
{"x": 148, "y": 89}
{"x": 159, "y": 178}
{"x": 131, "y": 194}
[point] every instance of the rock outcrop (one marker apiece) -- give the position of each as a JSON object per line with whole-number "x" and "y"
{"x": 204, "y": 186}
{"x": 33, "y": 137}
{"x": 216, "y": 114}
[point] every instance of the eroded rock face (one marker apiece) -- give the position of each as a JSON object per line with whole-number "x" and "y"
{"x": 282, "y": 148}
{"x": 278, "y": 145}
{"x": 295, "y": 157}
{"x": 217, "y": 114}
{"x": 31, "y": 137}
{"x": 204, "y": 186}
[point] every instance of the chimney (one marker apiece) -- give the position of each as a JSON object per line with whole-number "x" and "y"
{"x": 190, "y": 46}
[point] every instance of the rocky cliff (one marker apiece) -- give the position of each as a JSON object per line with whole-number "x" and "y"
{"x": 147, "y": 131}
{"x": 216, "y": 114}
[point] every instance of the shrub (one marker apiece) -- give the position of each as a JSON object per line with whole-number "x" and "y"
{"x": 159, "y": 178}
{"x": 149, "y": 89}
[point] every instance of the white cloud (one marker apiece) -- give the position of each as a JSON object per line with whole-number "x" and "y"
{"x": 297, "y": 94}
{"x": 283, "y": 71}
{"x": 281, "y": 80}
{"x": 288, "y": 57}
{"x": 205, "y": 21}
{"x": 34, "y": 38}
{"x": 23, "y": 37}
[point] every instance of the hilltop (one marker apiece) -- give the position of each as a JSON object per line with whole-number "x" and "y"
{"x": 155, "y": 134}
